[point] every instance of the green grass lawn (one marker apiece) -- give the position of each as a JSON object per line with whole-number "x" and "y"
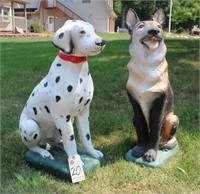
{"x": 25, "y": 61}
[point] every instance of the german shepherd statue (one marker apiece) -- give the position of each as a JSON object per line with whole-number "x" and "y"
{"x": 148, "y": 87}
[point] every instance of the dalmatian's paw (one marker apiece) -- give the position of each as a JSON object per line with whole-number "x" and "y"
{"x": 95, "y": 153}
{"x": 46, "y": 154}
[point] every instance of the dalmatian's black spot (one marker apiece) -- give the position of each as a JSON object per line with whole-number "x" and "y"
{"x": 69, "y": 88}
{"x": 88, "y": 73}
{"x": 46, "y": 84}
{"x": 25, "y": 139}
{"x": 61, "y": 35}
{"x": 81, "y": 80}
{"x": 33, "y": 93}
{"x": 87, "y": 102}
{"x": 71, "y": 137}
{"x": 88, "y": 136}
{"x": 67, "y": 118}
{"x": 58, "y": 98}
{"x": 60, "y": 132}
{"x": 59, "y": 65}
{"x": 35, "y": 110}
{"x": 57, "y": 79}
{"x": 47, "y": 109}
{"x": 35, "y": 136}
{"x": 80, "y": 100}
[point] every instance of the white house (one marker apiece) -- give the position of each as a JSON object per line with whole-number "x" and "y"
{"x": 53, "y": 13}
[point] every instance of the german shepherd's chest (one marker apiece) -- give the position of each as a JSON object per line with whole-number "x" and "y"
{"x": 146, "y": 83}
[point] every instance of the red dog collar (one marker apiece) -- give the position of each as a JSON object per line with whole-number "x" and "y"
{"x": 72, "y": 58}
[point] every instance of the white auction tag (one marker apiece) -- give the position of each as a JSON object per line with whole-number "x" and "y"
{"x": 76, "y": 169}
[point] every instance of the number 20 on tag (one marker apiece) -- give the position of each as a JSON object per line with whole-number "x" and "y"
{"x": 76, "y": 169}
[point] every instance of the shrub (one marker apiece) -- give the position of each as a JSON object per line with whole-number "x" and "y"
{"x": 36, "y": 27}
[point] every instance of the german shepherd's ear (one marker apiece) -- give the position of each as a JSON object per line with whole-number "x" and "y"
{"x": 159, "y": 16}
{"x": 62, "y": 38}
{"x": 131, "y": 19}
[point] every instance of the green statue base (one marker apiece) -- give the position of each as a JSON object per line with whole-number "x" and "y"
{"x": 161, "y": 159}
{"x": 59, "y": 165}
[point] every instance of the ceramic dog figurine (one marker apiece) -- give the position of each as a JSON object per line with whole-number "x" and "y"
{"x": 64, "y": 94}
{"x": 148, "y": 87}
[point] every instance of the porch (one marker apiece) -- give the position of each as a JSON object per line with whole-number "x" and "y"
{"x": 8, "y": 20}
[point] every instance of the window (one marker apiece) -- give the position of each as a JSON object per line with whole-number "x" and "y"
{"x": 6, "y": 11}
{"x": 51, "y": 20}
{"x": 86, "y": 1}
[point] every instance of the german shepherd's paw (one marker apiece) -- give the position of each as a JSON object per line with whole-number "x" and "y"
{"x": 150, "y": 155}
{"x": 138, "y": 151}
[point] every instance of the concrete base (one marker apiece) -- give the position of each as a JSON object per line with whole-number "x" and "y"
{"x": 59, "y": 165}
{"x": 161, "y": 159}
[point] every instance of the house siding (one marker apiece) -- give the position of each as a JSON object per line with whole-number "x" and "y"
{"x": 94, "y": 12}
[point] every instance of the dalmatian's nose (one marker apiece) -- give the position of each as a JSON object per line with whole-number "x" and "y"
{"x": 100, "y": 42}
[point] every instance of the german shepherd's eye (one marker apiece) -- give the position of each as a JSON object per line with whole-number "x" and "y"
{"x": 82, "y": 32}
{"x": 159, "y": 26}
{"x": 141, "y": 26}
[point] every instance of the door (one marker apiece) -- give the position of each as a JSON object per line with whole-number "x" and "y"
{"x": 51, "y": 24}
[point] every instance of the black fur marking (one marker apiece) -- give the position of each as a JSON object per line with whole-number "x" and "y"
{"x": 139, "y": 122}
{"x": 68, "y": 118}
{"x": 57, "y": 79}
{"x": 47, "y": 109}
{"x": 88, "y": 136}
{"x": 58, "y": 65}
{"x": 33, "y": 94}
{"x": 46, "y": 84}
{"x": 80, "y": 100}
{"x": 87, "y": 102}
{"x": 58, "y": 98}
{"x": 88, "y": 73}
{"x": 69, "y": 88}
{"x": 60, "y": 132}
{"x": 156, "y": 119}
{"x": 25, "y": 139}
{"x": 35, "y": 110}
{"x": 81, "y": 80}
{"x": 71, "y": 137}
{"x": 35, "y": 136}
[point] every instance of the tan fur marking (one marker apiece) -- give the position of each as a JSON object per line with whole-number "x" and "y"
{"x": 168, "y": 126}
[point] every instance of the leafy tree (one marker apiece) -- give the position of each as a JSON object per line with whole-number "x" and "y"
{"x": 185, "y": 12}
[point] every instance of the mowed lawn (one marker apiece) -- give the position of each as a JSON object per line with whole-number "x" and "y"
{"x": 25, "y": 61}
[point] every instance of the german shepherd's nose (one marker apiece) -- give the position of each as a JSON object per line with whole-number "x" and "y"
{"x": 153, "y": 32}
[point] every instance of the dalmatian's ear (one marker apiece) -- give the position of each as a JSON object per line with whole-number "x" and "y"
{"x": 63, "y": 40}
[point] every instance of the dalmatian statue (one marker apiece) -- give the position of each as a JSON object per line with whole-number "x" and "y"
{"x": 64, "y": 94}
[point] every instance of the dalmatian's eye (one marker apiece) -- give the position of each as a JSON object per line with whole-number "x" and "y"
{"x": 159, "y": 26}
{"x": 82, "y": 32}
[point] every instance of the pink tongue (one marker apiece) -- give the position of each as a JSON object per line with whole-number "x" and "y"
{"x": 153, "y": 45}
